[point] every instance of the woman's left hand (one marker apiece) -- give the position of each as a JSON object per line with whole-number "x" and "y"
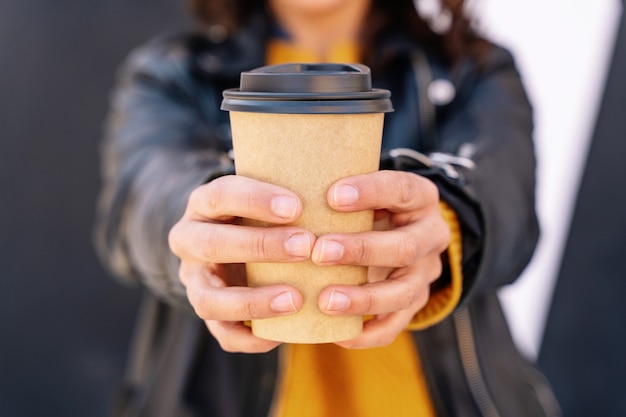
{"x": 404, "y": 260}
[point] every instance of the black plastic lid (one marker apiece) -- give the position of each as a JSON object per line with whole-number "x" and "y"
{"x": 307, "y": 88}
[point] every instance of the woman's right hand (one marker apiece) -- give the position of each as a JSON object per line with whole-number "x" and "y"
{"x": 213, "y": 248}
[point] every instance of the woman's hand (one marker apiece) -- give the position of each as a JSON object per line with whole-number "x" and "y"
{"x": 212, "y": 249}
{"x": 404, "y": 260}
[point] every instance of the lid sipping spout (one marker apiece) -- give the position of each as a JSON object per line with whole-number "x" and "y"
{"x": 309, "y": 78}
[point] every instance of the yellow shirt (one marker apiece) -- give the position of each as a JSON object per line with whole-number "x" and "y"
{"x": 327, "y": 380}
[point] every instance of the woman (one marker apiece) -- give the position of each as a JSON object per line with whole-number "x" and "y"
{"x": 462, "y": 220}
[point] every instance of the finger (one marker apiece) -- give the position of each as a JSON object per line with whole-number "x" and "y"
{"x": 405, "y": 288}
{"x": 213, "y": 275}
{"x": 396, "y": 191}
{"x": 236, "y": 196}
{"x": 237, "y": 337}
{"x": 228, "y": 243}
{"x": 380, "y": 331}
{"x": 397, "y": 247}
{"x": 213, "y": 301}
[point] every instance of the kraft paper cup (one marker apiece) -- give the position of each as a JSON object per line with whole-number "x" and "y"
{"x": 303, "y": 127}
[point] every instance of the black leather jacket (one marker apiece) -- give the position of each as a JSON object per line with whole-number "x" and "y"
{"x": 166, "y": 135}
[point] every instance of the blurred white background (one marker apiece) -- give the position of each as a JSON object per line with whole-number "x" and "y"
{"x": 563, "y": 49}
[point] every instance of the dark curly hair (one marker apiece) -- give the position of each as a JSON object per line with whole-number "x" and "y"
{"x": 459, "y": 41}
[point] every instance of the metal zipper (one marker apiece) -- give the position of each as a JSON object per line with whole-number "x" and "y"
{"x": 545, "y": 397}
{"x": 471, "y": 367}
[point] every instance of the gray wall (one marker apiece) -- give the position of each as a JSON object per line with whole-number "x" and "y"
{"x": 64, "y": 323}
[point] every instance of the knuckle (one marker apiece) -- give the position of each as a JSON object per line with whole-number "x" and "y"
{"x": 208, "y": 198}
{"x": 441, "y": 229}
{"x": 406, "y": 189}
{"x": 410, "y": 250}
{"x": 196, "y": 197}
{"x": 363, "y": 253}
{"x": 252, "y": 310}
{"x": 200, "y": 305}
{"x": 213, "y": 195}
{"x": 205, "y": 239}
{"x": 173, "y": 239}
{"x": 430, "y": 190}
{"x": 407, "y": 297}
{"x": 437, "y": 268}
{"x": 259, "y": 246}
{"x": 368, "y": 303}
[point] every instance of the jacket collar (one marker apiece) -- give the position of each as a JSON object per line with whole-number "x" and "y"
{"x": 224, "y": 57}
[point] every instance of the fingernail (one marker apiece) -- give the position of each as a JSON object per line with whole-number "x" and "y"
{"x": 298, "y": 244}
{"x": 337, "y": 301}
{"x": 284, "y": 206}
{"x": 344, "y": 195}
{"x": 283, "y": 303}
{"x": 330, "y": 251}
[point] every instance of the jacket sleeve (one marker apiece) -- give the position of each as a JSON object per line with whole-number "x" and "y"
{"x": 484, "y": 166}
{"x": 157, "y": 148}
{"x": 492, "y": 126}
{"x": 496, "y": 128}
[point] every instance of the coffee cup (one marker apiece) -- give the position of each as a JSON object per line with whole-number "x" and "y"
{"x": 303, "y": 127}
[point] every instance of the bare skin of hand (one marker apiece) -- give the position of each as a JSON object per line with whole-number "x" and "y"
{"x": 404, "y": 259}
